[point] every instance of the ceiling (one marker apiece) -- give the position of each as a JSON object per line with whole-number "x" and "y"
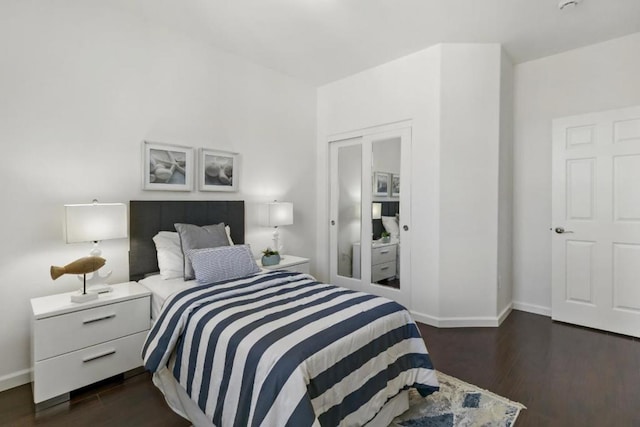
{"x": 319, "y": 41}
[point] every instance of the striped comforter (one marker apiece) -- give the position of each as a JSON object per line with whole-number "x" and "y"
{"x": 280, "y": 348}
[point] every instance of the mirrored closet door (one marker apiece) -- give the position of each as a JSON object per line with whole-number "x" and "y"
{"x": 370, "y": 213}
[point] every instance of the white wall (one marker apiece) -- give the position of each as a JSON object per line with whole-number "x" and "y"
{"x": 386, "y": 156}
{"x": 451, "y": 95}
{"x": 81, "y": 87}
{"x": 407, "y": 88}
{"x": 594, "y": 78}
{"x": 469, "y": 165}
{"x": 505, "y": 188}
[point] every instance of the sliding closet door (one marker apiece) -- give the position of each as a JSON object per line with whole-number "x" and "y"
{"x": 346, "y": 213}
{"x": 370, "y": 213}
{"x": 388, "y": 250}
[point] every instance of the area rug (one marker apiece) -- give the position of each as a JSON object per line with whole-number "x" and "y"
{"x": 458, "y": 404}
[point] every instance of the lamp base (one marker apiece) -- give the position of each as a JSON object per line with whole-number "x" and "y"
{"x": 276, "y": 240}
{"x": 99, "y": 289}
{"x": 80, "y": 297}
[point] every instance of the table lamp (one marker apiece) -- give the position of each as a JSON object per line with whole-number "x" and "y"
{"x": 376, "y": 210}
{"x": 94, "y": 222}
{"x": 274, "y": 215}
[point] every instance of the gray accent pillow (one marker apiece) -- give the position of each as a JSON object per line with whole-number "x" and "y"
{"x": 222, "y": 263}
{"x": 196, "y": 237}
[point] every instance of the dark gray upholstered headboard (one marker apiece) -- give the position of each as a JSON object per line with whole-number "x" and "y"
{"x": 147, "y": 217}
{"x": 388, "y": 209}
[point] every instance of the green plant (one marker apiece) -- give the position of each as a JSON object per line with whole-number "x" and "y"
{"x": 269, "y": 252}
{"x": 385, "y": 234}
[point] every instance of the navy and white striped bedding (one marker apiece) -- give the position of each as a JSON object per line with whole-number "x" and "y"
{"x": 280, "y": 348}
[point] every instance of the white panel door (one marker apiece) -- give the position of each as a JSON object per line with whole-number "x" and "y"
{"x": 596, "y": 220}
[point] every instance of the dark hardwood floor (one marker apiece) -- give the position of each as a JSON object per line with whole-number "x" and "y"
{"x": 116, "y": 402}
{"x": 565, "y": 375}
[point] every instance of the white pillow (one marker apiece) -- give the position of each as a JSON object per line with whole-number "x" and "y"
{"x": 221, "y": 263}
{"x": 227, "y": 229}
{"x": 390, "y": 224}
{"x": 170, "y": 257}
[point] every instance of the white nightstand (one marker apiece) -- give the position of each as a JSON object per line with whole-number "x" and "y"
{"x": 383, "y": 260}
{"x": 290, "y": 263}
{"x": 77, "y": 344}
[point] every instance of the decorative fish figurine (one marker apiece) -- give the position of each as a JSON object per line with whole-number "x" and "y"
{"x": 84, "y": 265}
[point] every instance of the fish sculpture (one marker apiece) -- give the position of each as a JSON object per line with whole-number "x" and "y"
{"x": 83, "y": 265}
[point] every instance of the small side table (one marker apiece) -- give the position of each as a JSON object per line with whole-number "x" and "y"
{"x": 77, "y": 344}
{"x": 290, "y": 263}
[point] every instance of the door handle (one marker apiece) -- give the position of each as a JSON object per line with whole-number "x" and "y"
{"x": 561, "y": 230}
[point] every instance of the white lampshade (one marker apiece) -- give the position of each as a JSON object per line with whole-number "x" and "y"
{"x": 376, "y": 211}
{"x": 94, "y": 222}
{"x": 277, "y": 213}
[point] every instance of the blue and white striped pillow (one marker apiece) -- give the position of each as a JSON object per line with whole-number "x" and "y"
{"x": 222, "y": 263}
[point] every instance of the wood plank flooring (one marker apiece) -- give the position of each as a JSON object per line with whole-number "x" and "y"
{"x": 565, "y": 375}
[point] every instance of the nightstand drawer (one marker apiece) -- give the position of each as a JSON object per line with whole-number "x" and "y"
{"x": 383, "y": 254}
{"x": 73, "y": 331}
{"x": 59, "y": 375}
{"x": 383, "y": 271}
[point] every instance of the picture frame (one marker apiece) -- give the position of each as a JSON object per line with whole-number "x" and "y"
{"x": 167, "y": 167}
{"x": 381, "y": 184}
{"x": 219, "y": 170}
{"x": 395, "y": 185}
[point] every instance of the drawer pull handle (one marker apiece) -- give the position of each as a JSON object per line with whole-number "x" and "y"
{"x": 98, "y": 356}
{"x": 384, "y": 252}
{"x": 384, "y": 268}
{"x": 97, "y": 319}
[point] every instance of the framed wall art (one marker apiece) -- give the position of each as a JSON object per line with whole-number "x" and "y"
{"x": 167, "y": 167}
{"x": 218, "y": 170}
{"x": 395, "y": 185}
{"x": 381, "y": 184}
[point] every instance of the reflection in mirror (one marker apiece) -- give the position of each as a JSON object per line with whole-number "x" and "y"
{"x": 385, "y": 209}
{"x": 349, "y": 209}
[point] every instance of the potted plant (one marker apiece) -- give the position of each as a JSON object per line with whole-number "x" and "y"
{"x": 270, "y": 257}
{"x": 385, "y": 237}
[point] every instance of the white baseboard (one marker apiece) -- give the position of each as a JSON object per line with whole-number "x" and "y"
{"x": 532, "y": 308}
{"x": 425, "y": 318}
{"x": 462, "y": 322}
{"x": 505, "y": 313}
{"x": 469, "y": 322}
{"x": 15, "y": 379}
{"x": 456, "y": 322}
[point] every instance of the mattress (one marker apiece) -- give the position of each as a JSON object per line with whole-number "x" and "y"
{"x": 162, "y": 289}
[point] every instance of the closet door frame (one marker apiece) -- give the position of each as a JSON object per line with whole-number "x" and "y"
{"x": 367, "y": 137}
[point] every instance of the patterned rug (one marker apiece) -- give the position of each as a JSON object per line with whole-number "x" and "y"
{"x": 458, "y": 404}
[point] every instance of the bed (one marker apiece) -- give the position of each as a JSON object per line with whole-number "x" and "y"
{"x": 272, "y": 348}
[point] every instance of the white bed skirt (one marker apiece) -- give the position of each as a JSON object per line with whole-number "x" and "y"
{"x": 180, "y": 402}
